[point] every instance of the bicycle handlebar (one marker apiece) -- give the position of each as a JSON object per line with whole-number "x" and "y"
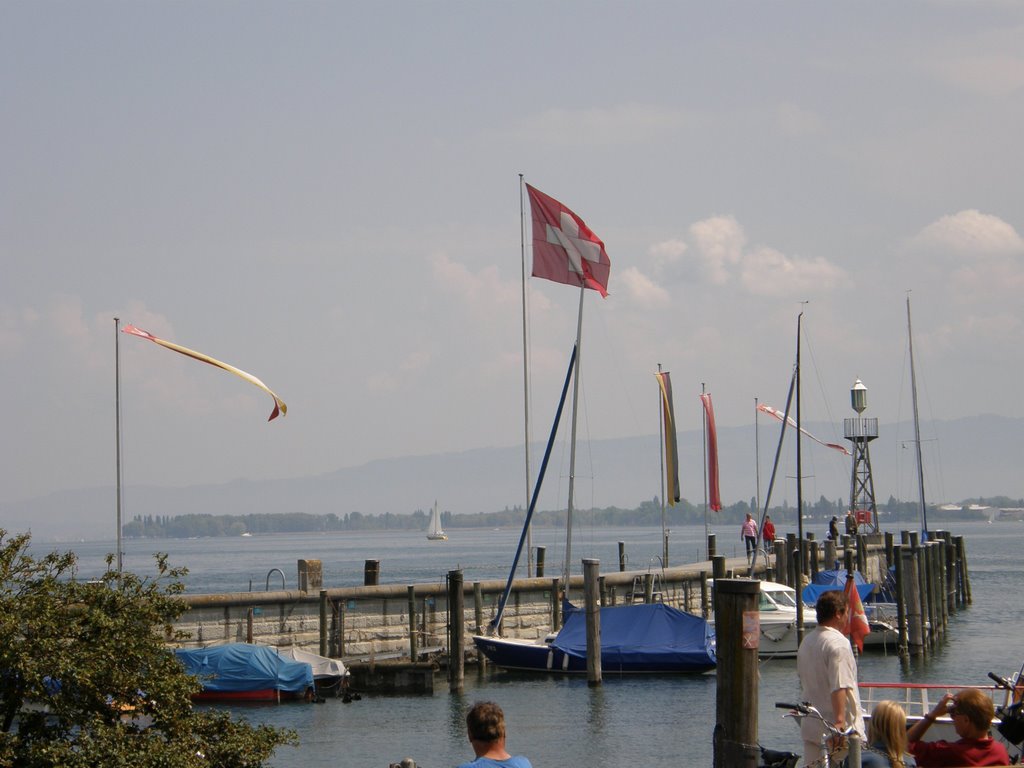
{"x": 1002, "y": 682}
{"x": 805, "y": 709}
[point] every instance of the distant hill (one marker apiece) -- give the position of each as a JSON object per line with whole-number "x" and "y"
{"x": 979, "y": 456}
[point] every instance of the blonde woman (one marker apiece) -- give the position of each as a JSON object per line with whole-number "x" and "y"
{"x": 887, "y": 738}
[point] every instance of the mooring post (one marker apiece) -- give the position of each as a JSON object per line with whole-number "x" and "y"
{"x": 901, "y": 603}
{"x": 798, "y": 586}
{"x": 962, "y": 547}
{"x": 478, "y": 607}
{"x": 341, "y": 628}
{"x": 705, "y": 605}
{"x": 711, "y": 546}
{"x": 456, "y": 633}
{"x": 738, "y": 632}
{"x": 590, "y": 594}
{"x": 830, "y": 555}
{"x": 556, "y": 606}
{"x": 602, "y": 591}
{"x": 622, "y": 556}
{"x": 781, "y": 566}
{"x": 812, "y": 547}
{"x": 862, "y": 553}
{"x": 912, "y": 598}
{"x": 413, "y": 650}
{"x": 371, "y": 573}
{"x": 792, "y": 566}
{"x": 541, "y": 551}
{"x": 951, "y": 574}
{"x": 323, "y": 622}
{"x": 648, "y": 587}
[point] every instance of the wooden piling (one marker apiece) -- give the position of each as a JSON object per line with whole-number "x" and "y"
{"x": 711, "y": 546}
{"x": 737, "y": 630}
{"x": 781, "y": 566}
{"x": 901, "y": 603}
{"x": 341, "y": 628}
{"x": 413, "y": 649}
{"x": 622, "y": 556}
{"x": 912, "y": 600}
{"x": 556, "y": 605}
{"x": 812, "y": 547}
{"x": 591, "y": 569}
{"x": 798, "y": 586}
{"x": 648, "y": 587}
{"x": 862, "y": 553}
{"x": 963, "y": 567}
{"x": 705, "y": 604}
{"x": 478, "y": 608}
{"x": 830, "y": 555}
{"x": 541, "y": 552}
{"x": 323, "y": 622}
{"x": 456, "y": 635}
{"x": 371, "y": 573}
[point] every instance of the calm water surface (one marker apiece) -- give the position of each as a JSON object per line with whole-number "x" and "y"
{"x": 558, "y": 721}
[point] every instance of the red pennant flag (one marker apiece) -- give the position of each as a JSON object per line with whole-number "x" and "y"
{"x": 671, "y": 450}
{"x": 856, "y": 620}
{"x": 565, "y": 250}
{"x": 715, "y": 496}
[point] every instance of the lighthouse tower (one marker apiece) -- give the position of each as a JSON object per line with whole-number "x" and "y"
{"x": 861, "y": 432}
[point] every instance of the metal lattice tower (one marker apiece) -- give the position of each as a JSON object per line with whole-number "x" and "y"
{"x": 861, "y": 432}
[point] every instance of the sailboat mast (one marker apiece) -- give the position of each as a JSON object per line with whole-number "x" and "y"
{"x": 661, "y": 466}
{"x": 117, "y": 431}
{"x": 917, "y": 428}
{"x": 566, "y": 568}
{"x": 526, "y": 375}
{"x": 704, "y": 442}
{"x": 799, "y": 467}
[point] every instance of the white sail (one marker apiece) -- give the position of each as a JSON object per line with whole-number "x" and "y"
{"x": 435, "y": 533}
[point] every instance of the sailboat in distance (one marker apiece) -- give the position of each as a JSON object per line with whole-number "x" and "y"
{"x": 435, "y": 532}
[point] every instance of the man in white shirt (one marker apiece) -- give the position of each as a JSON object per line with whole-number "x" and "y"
{"x": 828, "y": 677}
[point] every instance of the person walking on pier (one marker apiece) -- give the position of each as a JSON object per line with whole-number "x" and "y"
{"x": 485, "y": 724}
{"x": 749, "y": 535}
{"x": 833, "y": 528}
{"x": 767, "y": 532}
{"x": 828, "y": 678}
{"x": 971, "y": 711}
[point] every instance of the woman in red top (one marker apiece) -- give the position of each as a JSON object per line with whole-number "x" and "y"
{"x": 767, "y": 532}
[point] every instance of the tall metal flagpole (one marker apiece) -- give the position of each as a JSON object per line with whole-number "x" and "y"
{"x": 526, "y": 377}
{"x": 917, "y": 427}
{"x": 799, "y": 467}
{"x": 566, "y": 568}
{"x": 117, "y": 430}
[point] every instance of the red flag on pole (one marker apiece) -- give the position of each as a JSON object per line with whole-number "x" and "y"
{"x": 715, "y": 497}
{"x": 565, "y": 249}
{"x": 671, "y": 452}
{"x": 856, "y": 620}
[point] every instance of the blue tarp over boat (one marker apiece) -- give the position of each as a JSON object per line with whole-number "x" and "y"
{"x": 643, "y": 637}
{"x": 240, "y": 668}
{"x": 826, "y": 581}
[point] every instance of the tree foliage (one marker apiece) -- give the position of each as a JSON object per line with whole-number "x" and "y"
{"x": 86, "y": 678}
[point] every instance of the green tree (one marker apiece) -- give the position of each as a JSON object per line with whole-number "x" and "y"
{"x": 86, "y": 678}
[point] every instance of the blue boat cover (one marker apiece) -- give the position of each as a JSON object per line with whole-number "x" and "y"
{"x": 644, "y": 634}
{"x": 826, "y": 581}
{"x": 243, "y": 667}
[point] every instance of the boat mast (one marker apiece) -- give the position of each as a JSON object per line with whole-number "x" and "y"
{"x": 526, "y": 376}
{"x": 798, "y": 576}
{"x": 704, "y": 442}
{"x": 117, "y": 432}
{"x": 661, "y": 466}
{"x": 566, "y": 568}
{"x": 917, "y": 428}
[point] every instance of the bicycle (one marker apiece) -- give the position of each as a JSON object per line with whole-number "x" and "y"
{"x": 804, "y": 709}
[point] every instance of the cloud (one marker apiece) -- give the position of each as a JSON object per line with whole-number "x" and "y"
{"x": 642, "y": 289}
{"x": 796, "y": 122}
{"x": 718, "y": 254}
{"x": 483, "y": 290}
{"x": 767, "y": 272}
{"x": 991, "y": 73}
{"x": 968, "y": 233}
{"x": 719, "y": 241}
{"x": 596, "y": 127}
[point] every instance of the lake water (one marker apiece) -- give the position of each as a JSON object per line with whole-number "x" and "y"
{"x": 626, "y": 721}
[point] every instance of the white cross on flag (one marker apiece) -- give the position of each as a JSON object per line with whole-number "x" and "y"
{"x": 564, "y": 248}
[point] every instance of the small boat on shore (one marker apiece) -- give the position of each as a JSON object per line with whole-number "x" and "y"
{"x": 244, "y": 672}
{"x": 641, "y": 638}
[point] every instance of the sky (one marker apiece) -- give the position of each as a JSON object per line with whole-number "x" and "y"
{"x": 327, "y": 195}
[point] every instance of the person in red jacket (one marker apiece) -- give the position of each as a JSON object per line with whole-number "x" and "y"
{"x": 972, "y": 712}
{"x": 767, "y": 532}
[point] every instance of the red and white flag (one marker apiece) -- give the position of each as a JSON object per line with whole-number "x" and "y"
{"x": 714, "y": 497}
{"x": 777, "y": 414}
{"x": 856, "y": 620}
{"x": 565, "y": 249}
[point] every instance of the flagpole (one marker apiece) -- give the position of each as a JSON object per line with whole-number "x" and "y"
{"x": 566, "y": 567}
{"x": 117, "y": 431}
{"x": 526, "y": 377}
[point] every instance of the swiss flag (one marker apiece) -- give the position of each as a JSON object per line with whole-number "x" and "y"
{"x": 564, "y": 248}
{"x": 856, "y": 620}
